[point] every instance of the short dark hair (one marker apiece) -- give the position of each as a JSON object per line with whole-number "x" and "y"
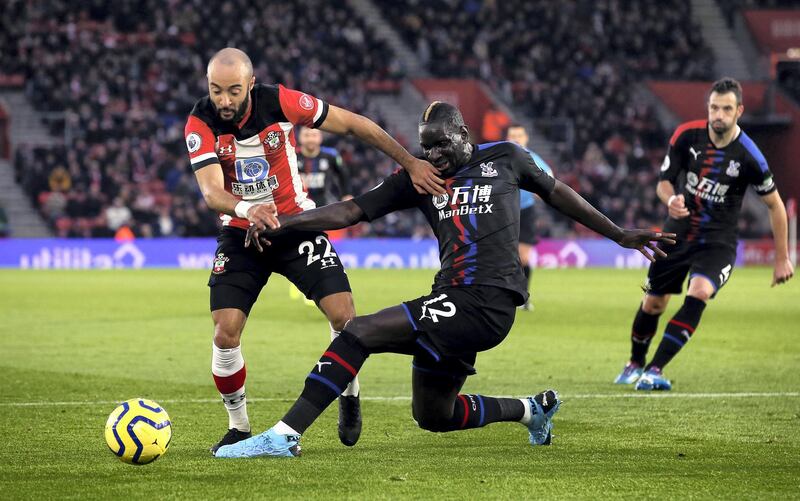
{"x": 725, "y": 85}
{"x": 444, "y": 113}
{"x": 516, "y": 125}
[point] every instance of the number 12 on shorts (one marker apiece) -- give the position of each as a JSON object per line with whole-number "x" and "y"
{"x": 435, "y": 313}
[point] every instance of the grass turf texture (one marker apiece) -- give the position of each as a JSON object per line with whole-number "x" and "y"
{"x": 82, "y": 341}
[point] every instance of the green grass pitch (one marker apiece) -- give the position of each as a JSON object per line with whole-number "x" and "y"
{"x": 74, "y": 343}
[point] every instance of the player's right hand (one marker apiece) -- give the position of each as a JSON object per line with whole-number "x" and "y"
{"x": 263, "y": 216}
{"x": 425, "y": 177}
{"x": 677, "y": 207}
{"x": 642, "y": 240}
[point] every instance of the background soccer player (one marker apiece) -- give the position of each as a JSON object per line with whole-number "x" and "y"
{"x": 242, "y": 148}
{"x": 718, "y": 162}
{"x": 527, "y": 218}
{"x": 475, "y": 294}
{"x": 322, "y": 169}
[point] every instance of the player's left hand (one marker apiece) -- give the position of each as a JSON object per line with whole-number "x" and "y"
{"x": 425, "y": 177}
{"x": 642, "y": 240}
{"x": 783, "y": 271}
{"x": 256, "y": 237}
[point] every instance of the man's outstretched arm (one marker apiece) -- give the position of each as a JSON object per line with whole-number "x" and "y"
{"x": 573, "y": 205}
{"x": 423, "y": 175}
{"x": 331, "y": 217}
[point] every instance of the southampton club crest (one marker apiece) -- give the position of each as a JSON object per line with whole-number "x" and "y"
{"x": 273, "y": 140}
{"x": 219, "y": 264}
{"x": 440, "y": 201}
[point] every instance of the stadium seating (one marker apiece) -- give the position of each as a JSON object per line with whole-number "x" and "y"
{"x": 126, "y": 87}
{"x": 571, "y": 60}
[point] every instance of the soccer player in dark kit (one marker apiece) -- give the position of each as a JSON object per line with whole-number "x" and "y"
{"x": 475, "y": 294}
{"x": 718, "y": 162}
{"x": 241, "y": 145}
{"x": 322, "y": 169}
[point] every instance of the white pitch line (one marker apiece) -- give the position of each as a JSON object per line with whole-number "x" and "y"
{"x": 582, "y": 396}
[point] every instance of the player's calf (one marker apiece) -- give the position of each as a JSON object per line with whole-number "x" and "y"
{"x": 678, "y": 332}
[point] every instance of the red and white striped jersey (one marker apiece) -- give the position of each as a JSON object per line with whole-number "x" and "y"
{"x": 257, "y": 155}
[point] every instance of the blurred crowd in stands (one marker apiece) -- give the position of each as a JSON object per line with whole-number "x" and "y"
{"x": 127, "y": 72}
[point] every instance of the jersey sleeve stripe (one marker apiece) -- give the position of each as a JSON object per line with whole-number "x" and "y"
{"x": 203, "y": 157}
{"x": 751, "y": 148}
{"x": 694, "y": 124}
{"x": 321, "y": 114}
{"x": 209, "y": 161}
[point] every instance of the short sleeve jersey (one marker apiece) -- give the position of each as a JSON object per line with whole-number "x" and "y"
{"x": 714, "y": 182}
{"x": 526, "y": 198}
{"x": 257, "y": 155}
{"x": 477, "y": 221}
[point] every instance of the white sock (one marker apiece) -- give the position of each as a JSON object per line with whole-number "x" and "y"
{"x": 227, "y": 363}
{"x": 353, "y": 388}
{"x": 282, "y": 428}
{"x": 526, "y": 417}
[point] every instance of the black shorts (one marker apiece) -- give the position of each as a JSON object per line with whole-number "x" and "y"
{"x": 457, "y": 322}
{"x": 307, "y": 259}
{"x": 711, "y": 261}
{"x": 527, "y": 226}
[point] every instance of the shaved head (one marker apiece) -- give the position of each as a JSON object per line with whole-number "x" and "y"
{"x": 230, "y": 80}
{"x": 231, "y": 58}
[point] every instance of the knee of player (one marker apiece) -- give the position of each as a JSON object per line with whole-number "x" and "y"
{"x": 339, "y": 320}
{"x": 435, "y": 420}
{"x": 360, "y": 327}
{"x": 433, "y": 423}
{"x": 654, "y": 305}
{"x": 702, "y": 295}
{"x": 226, "y": 336}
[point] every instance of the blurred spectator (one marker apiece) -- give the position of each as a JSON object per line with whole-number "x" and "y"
{"x": 5, "y": 228}
{"x": 495, "y": 123}
{"x": 118, "y": 214}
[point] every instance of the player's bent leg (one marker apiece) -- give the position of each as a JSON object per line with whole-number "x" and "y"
{"x": 678, "y": 332}
{"x": 644, "y": 328}
{"x": 438, "y": 406}
{"x": 339, "y": 310}
{"x": 337, "y": 366}
{"x": 229, "y": 372}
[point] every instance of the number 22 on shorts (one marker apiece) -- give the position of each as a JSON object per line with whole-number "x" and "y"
{"x": 327, "y": 258}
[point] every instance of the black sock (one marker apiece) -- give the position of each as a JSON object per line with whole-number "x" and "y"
{"x": 475, "y": 411}
{"x": 330, "y": 376}
{"x": 678, "y": 331}
{"x": 642, "y": 332}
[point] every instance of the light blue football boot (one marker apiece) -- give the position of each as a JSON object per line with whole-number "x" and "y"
{"x": 543, "y": 406}
{"x": 653, "y": 380}
{"x": 630, "y": 374}
{"x": 268, "y": 443}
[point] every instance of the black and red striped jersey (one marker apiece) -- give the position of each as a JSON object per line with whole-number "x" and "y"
{"x": 257, "y": 155}
{"x": 714, "y": 182}
{"x": 477, "y": 220}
